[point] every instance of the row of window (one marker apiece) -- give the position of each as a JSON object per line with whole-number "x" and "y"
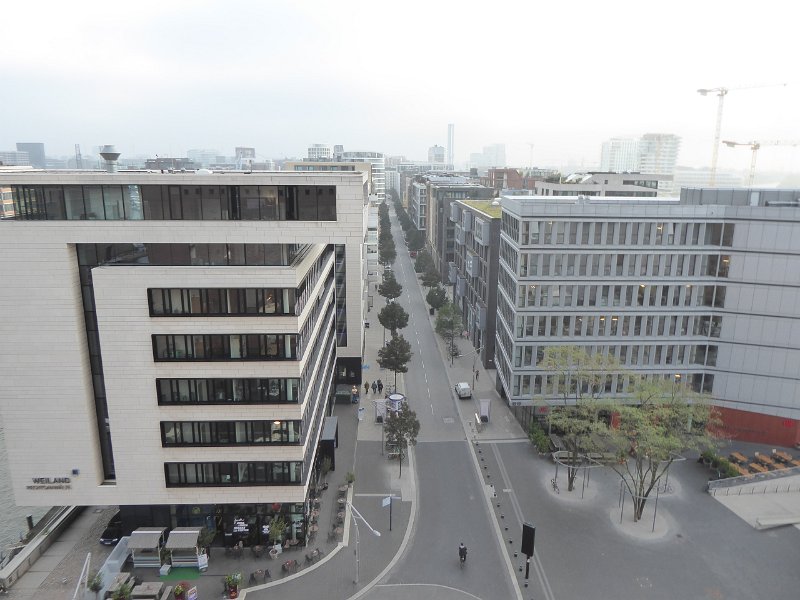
{"x": 229, "y": 433}
{"x": 233, "y": 473}
{"x": 258, "y": 255}
{"x": 534, "y": 264}
{"x": 221, "y": 301}
{"x": 248, "y": 346}
{"x": 527, "y": 356}
{"x": 548, "y": 385}
{"x": 642, "y": 295}
{"x": 229, "y": 391}
{"x": 528, "y": 326}
{"x": 624, "y": 233}
{"x": 175, "y": 202}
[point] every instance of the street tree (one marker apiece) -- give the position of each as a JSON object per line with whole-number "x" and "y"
{"x": 387, "y": 254}
{"x": 448, "y": 325}
{"x": 390, "y": 288}
{"x": 416, "y": 240}
{"x": 395, "y": 355}
{"x": 580, "y": 381}
{"x": 667, "y": 418}
{"x": 431, "y": 278}
{"x": 422, "y": 262}
{"x": 393, "y": 317}
{"x": 401, "y": 428}
{"x": 436, "y": 297}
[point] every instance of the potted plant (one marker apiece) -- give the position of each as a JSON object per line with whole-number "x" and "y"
{"x": 180, "y": 590}
{"x": 96, "y": 583}
{"x": 350, "y": 478}
{"x": 276, "y": 529}
{"x": 232, "y": 581}
{"x": 123, "y": 592}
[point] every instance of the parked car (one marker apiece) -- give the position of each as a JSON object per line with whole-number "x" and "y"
{"x": 463, "y": 390}
{"x": 113, "y": 532}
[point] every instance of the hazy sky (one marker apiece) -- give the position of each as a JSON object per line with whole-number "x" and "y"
{"x": 163, "y": 77}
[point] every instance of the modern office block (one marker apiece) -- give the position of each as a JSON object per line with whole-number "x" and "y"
{"x": 474, "y": 267}
{"x": 703, "y": 288}
{"x": 171, "y": 341}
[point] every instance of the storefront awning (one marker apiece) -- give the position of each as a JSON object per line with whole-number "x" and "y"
{"x": 330, "y": 429}
{"x": 182, "y": 538}
{"x": 146, "y": 538}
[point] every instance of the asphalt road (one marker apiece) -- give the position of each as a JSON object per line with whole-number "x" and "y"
{"x": 452, "y": 503}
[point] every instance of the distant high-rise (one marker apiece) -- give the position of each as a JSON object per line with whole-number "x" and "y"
{"x": 492, "y": 156}
{"x": 658, "y": 153}
{"x": 203, "y": 157}
{"x": 245, "y": 152}
{"x": 15, "y": 158}
{"x": 35, "y": 152}
{"x": 619, "y": 154}
{"x": 451, "y": 133}
{"x": 436, "y": 154}
{"x": 378, "y": 162}
{"x": 320, "y": 152}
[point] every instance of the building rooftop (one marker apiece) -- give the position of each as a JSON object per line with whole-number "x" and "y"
{"x": 486, "y": 206}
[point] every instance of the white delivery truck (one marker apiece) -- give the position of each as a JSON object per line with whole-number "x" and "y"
{"x": 463, "y": 390}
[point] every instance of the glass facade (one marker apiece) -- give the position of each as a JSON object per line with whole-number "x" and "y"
{"x": 230, "y": 433}
{"x": 229, "y": 391}
{"x": 225, "y": 347}
{"x": 233, "y": 473}
{"x": 175, "y": 202}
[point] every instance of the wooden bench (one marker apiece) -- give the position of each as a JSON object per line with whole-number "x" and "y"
{"x": 741, "y": 470}
{"x": 758, "y": 468}
{"x": 738, "y": 458}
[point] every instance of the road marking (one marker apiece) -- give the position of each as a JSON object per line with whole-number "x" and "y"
{"x": 537, "y": 564}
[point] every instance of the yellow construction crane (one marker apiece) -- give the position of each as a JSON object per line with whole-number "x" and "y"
{"x": 754, "y": 146}
{"x": 721, "y": 92}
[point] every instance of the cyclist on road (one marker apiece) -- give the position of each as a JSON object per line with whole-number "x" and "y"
{"x": 462, "y": 553}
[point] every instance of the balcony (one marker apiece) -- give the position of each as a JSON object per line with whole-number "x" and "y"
{"x": 461, "y": 286}
{"x": 460, "y": 237}
{"x": 455, "y": 212}
{"x": 466, "y": 220}
{"x": 452, "y": 273}
{"x": 472, "y": 265}
{"x": 483, "y": 231}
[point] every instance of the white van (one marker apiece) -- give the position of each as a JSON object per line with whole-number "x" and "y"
{"x": 463, "y": 390}
{"x": 484, "y": 414}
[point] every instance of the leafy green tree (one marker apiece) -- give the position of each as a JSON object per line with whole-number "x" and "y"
{"x": 387, "y": 254}
{"x": 580, "y": 381}
{"x": 401, "y": 428}
{"x": 390, "y": 288}
{"x": 448, "y": 325}
{"x": 395, "y": 356}
{"x": 667, "y": 419}
{"x": 422, "y": 262}
{"x": 393, "y": 317}
{"x": 416, "y": 240}
{"x": 431, "y": 278}
{"x": 436, "y": 297}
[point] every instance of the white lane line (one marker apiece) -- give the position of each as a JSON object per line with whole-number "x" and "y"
{"x": 537, "y": 564}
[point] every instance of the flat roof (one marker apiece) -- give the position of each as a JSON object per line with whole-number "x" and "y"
{"x": 485, "y": 206}
{"x": 146, "y": 538}
{"x": 183, "y": 537}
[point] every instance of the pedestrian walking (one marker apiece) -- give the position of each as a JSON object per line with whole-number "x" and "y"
{"x": 374, "y": 387}
{"x": 354, "y": 392}
{"x": 380, "y": 386}
{"x": 477, "y": 374}
{"x": 366, "y": 387}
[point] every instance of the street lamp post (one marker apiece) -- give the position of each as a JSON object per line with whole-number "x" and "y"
{"x": 375, "y": 532}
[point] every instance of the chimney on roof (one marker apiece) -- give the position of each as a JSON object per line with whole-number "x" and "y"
{"x": 110, "y": 155}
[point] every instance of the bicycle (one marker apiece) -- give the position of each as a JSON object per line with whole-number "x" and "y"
{"x": 555, "y": 485}
{"x": 462, "y": 556}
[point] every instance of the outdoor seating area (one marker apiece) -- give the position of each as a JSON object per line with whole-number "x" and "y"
{"x": 761, "y": 462}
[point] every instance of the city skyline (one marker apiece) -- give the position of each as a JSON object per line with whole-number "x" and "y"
{"x": 163, "y": 79}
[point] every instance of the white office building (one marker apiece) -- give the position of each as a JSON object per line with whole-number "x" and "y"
{"x": 658, "y": 153}
{"x": 378, "y": 162}
{"x": 619, "y": 154}
{"x": 703, "y": 288}
{"x": 171, "y": 342}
